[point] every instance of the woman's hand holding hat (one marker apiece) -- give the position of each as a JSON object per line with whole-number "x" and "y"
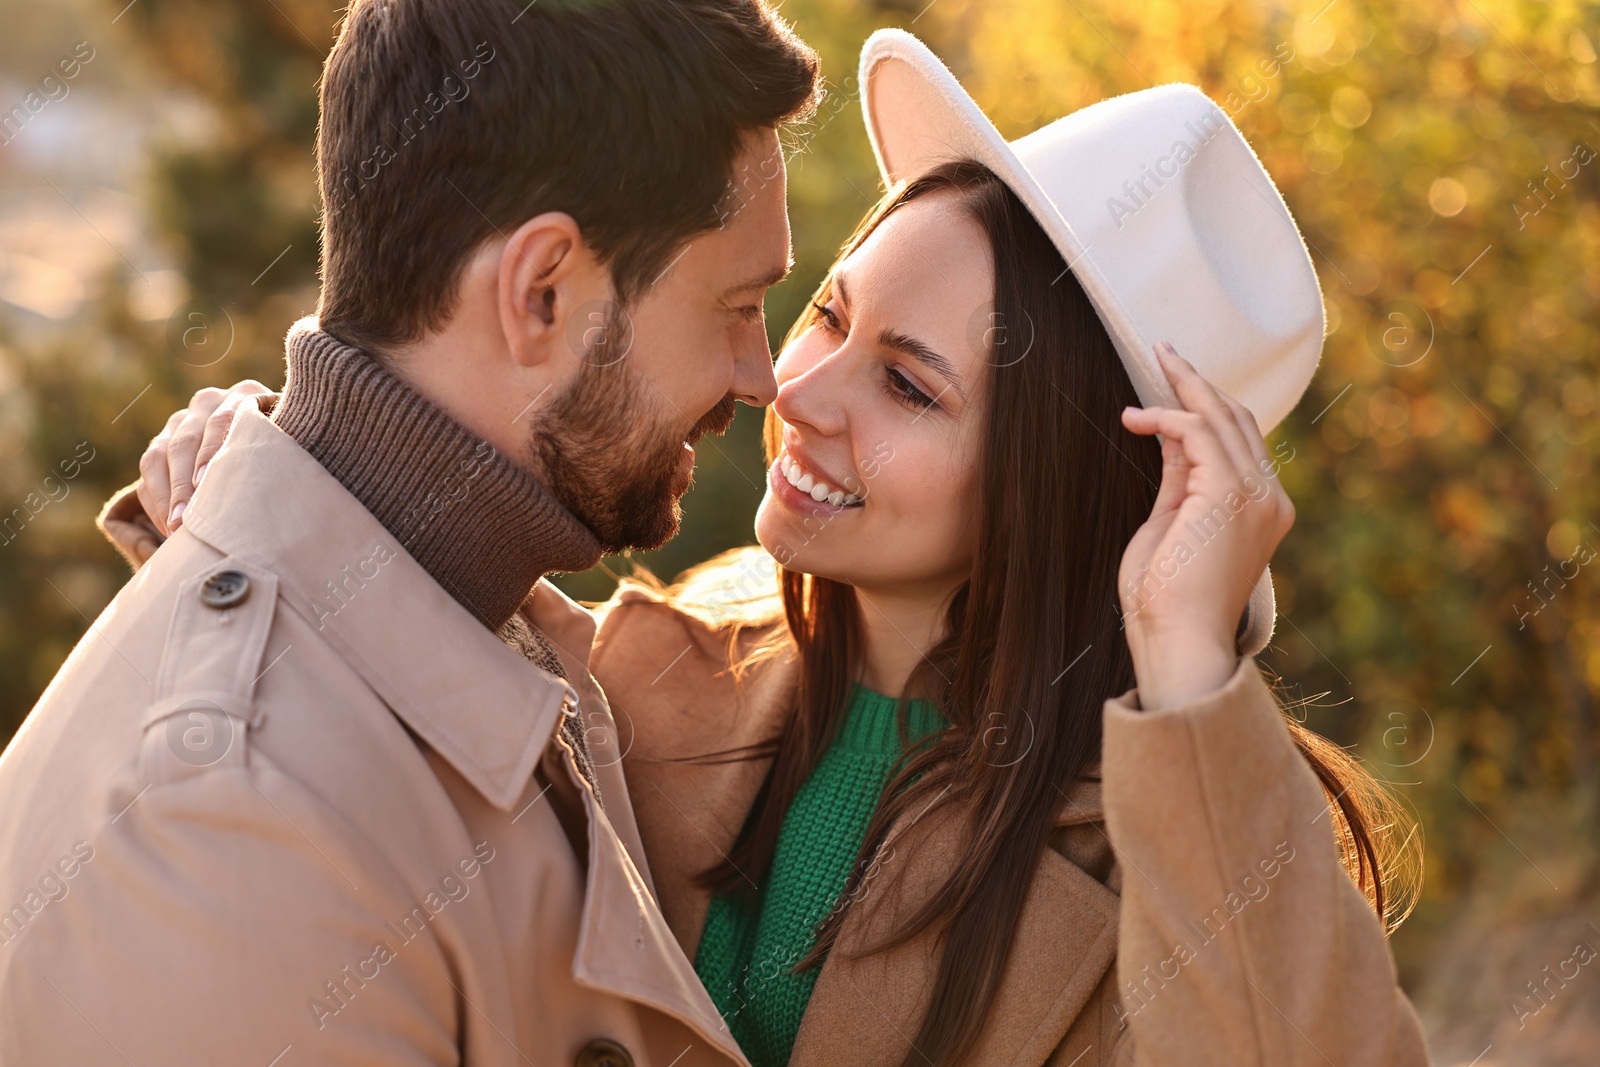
{"x": 1219, "y": 515}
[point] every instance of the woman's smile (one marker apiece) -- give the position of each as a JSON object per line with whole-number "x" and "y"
{"x": 799, "y": 488}
{"x": 817, "y": 484}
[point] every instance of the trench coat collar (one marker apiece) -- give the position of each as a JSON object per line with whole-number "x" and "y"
{"x": 484, "y": 708}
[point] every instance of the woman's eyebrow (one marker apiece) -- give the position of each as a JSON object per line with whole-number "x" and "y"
{"x": 915, "y": 349}
{"x": 906, "y": 345}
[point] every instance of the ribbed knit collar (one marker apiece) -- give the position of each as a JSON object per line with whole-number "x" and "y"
{"x": 872, "y": 722}
{"x": 481, "y": 526}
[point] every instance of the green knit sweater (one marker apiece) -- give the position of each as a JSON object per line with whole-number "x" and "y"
{"x": 752, "y": 941}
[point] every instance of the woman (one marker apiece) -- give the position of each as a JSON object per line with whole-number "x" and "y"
{"x": 893, "y": 805}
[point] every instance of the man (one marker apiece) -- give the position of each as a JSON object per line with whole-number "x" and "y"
{"x": 328, "y": 782}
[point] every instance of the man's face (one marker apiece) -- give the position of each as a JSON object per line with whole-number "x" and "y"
{"x": 616, "y": 446}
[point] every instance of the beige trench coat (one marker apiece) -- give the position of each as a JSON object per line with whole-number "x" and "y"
{"x": 327, "y": 822}
{"x": 1191, "y": 910}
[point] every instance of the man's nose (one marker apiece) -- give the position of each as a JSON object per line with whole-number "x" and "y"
{"x": 753, "y": 378}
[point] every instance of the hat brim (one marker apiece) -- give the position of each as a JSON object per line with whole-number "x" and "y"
{"x": 918, "y": 116}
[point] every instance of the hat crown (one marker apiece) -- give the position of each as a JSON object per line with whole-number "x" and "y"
{"x": 1171, "y": 208}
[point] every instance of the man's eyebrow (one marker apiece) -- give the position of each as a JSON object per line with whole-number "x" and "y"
{"x": 766, "y": 280}
{"x": 915, "y": 349}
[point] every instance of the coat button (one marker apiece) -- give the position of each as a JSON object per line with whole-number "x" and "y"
{"x": 224, "y": 589}
{"x": 603, "y": 1053}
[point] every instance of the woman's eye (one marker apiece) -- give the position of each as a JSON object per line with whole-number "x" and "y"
{"x": 829, "y": 319}
{"x": 900, "y": 388}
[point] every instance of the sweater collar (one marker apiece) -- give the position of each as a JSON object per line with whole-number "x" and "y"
{"x": 481, "y": 526}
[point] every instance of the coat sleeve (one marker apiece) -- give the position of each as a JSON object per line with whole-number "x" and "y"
{"x": 1243, "y": 940}
{"x": 128, "y": 528}
{"x": 228, "y": 918}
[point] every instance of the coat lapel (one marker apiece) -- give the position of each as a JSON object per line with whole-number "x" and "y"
{"x": 670, "y": 689}
{"x": 676, "y": 703}
{"x": 868, "y": 1010}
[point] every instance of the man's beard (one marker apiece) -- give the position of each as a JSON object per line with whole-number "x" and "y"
{"x": 610, "y": 459}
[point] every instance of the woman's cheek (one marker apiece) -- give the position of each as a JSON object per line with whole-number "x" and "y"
{"x": 925, "y": 501}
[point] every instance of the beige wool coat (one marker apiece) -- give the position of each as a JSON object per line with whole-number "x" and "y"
{"x": 324, "y": 822}
{"x": 1191, "y": 910}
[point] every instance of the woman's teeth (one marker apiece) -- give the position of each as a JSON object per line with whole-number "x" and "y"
{"x": 815, "y": 487}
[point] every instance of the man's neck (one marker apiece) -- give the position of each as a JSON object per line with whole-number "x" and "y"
{"x": 480, "y": 524}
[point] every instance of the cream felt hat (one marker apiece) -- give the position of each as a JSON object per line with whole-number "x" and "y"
{"x": 1164, "y": 215}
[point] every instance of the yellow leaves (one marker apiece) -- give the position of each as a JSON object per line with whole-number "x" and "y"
{"x": 1447, "y": 197}
{"x": 1577, "y": 396}
{"x": 1580, "y": 48}
{"x": 1428, "y": 416}
{"x": 1482, "y": 780}
{"x": 1322, "y": 43}
{"x": 1461, "y": 508}
{"x": 1447, "y": 77}
{"x": 1314, "y": 36}
{"x": 1323, "y": 155}
{"x": 1562, "y": 540}
{"x": 1355, "y": 612}
{"x": 1504, "y": 385}
{"x": 1388, "y": 409}
{"x": 1350, "y": 106}
{"x": 1298, "y": 112}
{"x": 1432, "y": 287}
{"x": 1544, "y": 318}
{"x": 1489, "y": 118}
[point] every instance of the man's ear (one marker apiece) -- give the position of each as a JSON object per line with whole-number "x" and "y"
{"x": 547, "y": 272}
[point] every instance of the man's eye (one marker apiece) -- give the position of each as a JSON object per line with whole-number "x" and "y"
{"x": 751, "y": 313}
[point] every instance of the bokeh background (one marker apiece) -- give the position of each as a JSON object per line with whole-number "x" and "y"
{"x": 1437, "y": 596}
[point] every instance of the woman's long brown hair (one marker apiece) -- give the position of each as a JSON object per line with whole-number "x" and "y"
{"x": 1064, "y": 487}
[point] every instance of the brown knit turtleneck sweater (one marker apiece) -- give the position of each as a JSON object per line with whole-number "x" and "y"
{"x": 482, "y": 527}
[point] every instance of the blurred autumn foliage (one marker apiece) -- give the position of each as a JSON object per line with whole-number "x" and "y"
{"x": 1439, "y": 589}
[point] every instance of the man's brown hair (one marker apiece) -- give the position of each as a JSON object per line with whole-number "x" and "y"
{"x": 444, "y": 123}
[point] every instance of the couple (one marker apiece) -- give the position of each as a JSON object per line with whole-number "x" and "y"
{"x": 969, "y": 763}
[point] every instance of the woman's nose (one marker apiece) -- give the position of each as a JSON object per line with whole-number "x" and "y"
{"x": 816, "y": 397}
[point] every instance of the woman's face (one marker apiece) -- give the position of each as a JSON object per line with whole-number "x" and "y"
{"x": 881, "y": 404}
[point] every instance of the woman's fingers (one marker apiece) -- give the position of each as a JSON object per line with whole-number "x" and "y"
{"x": 177, "y": 457}
{"x": 221, "y": 421}
{"x": 155, "y": 488}
{"x": 1248, "y": 428}
{"x": 183, "y": 446}
{"x": 1261, "y": 482}
{"x": 1193, "y": 432}
{"x": 1175, "y": 463}
{"x": 1200, "y": 396}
